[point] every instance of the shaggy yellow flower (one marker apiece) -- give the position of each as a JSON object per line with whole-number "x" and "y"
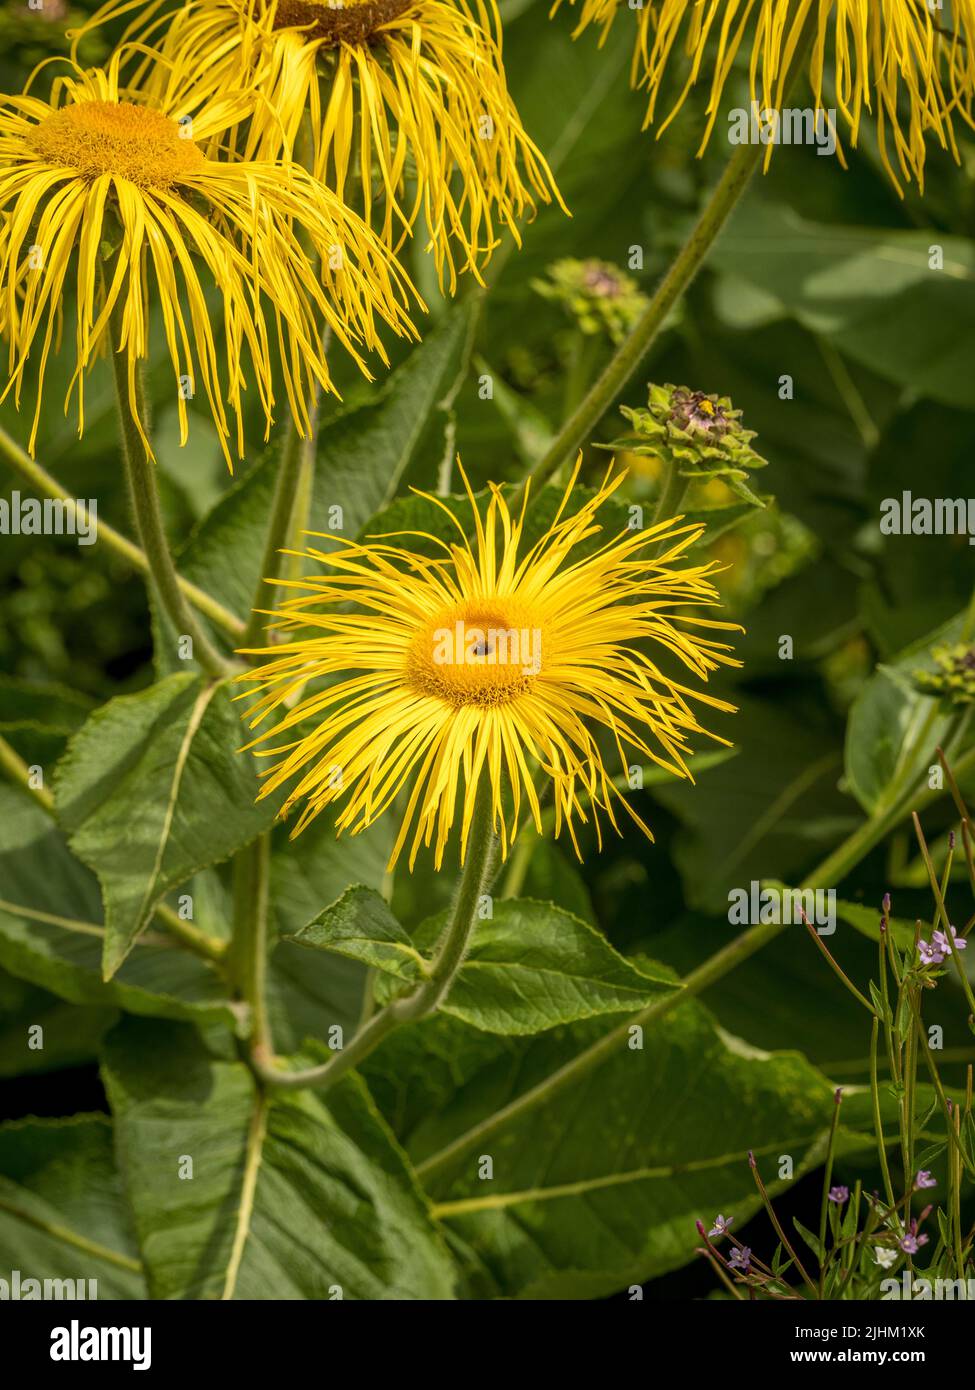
{"x": 101, "y": 196}
{"x": 909, "y": 64}
{"x": 406, "y": 99}
{"x": 490, "y": 660}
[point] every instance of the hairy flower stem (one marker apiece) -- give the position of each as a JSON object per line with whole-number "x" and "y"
{"x": 287, "y": 519}
{"x": 248, "y": 955}
{"x": 39, "y": 478}
{"x": 293, "y": 483}
{"x": 448, "y": 958}
{"x": 144, "y": 493}
{"x": 832, "y": 870}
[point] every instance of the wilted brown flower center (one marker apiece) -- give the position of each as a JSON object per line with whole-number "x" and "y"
{"x": 107, "y": 137}
{"x": 353, "y": 22}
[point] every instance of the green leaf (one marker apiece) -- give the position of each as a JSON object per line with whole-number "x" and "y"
{"x": 530, "y": 967}
{"x": 40, "y": 704}
{"x": 777, "y": 818}
{"x": 62, "y": 1213}
{"x": 308, "y": 994}
{"x": 530, "y": 431}
{"x": 599, "y": 1185}
{"x": 361, "y": 926}
{"x": 69, "y": 1035}
{"x": 814, "y": 1243}
{"x": 883, "y": 752}
{"x": 51, "y": 932}
{"x": 289, "y": 1197}
{"x": 871, "y": 290}
{"x": 153, "y": 789}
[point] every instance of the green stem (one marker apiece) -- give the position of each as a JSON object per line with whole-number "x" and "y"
{"x": 251, "y": 878}
{"x": 637, "y": 344}
{"x": 448, "y": 958}
{"x": 144, "y": 492}
{"x": 40, "y": 479}
{"x": 13, "y": 764}
{"x": 673, "y": 489}
{"x": 285, "y": 523}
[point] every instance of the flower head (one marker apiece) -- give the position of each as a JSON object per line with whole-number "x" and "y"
{"x": 839, "y": 1194}
{"x": 924, "y": 1179}
{"x": 487, "y": 660}
{"x": 946, "y": 946}
{"x": 116, "y": 194}
{"x": 740, "y": 1258}
{"x": 721, "y": 1226}
{"x": 600, "y": 297}
{"x": 701, "y": 434}
{"x": 907, "y": 65}
{"x": 933, "y": 952}
{"x": 884, "y": 1256}
{"x": 406, "y": 98}
{"x": 912, "y": 1241}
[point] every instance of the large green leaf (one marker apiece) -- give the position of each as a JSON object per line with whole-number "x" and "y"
{"x": 872, "y": 290}
{"x": 599, "y": 1186}
{"x": 530, "y": 966}
{"x": 62, "y": 1213}
{"x": 288, "y": 1198}
{"x": 153, "y": 789}
{"x": 51, "y": 932}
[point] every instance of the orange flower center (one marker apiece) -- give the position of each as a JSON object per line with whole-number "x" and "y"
{"x": 479, "y": 652}
{"x": 106, "y": 137}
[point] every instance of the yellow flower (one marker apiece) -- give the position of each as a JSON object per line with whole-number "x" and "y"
{"x": 406, "y": 98}
{"x": 101, "y": 197}
{"x": 491, "y": 660}
{"x": 907, "y": 63}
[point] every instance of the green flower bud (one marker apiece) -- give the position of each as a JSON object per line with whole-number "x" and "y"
{"x": 954, "y": 680}
{"x": 700, "y": 434}
{"x": 600, "y": 297}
